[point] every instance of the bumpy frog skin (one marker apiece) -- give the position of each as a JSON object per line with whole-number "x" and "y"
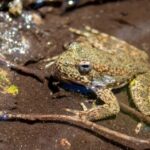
{"x": 102, "y": 62}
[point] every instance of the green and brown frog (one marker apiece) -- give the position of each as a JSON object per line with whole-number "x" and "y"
{"x": 102, "y": 63}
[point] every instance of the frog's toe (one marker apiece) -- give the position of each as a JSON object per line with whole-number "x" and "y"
{"x": 140, "y": 92}
{"x": 72, "y": 111}
{"x": 92, "y": 30}
{"x": 83, "y": 106}
{"x": 77, "y": 113}
{"x": 80, "y": 32}
{"x": 86, "y": 32}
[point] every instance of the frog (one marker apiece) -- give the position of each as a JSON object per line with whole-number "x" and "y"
{"x": 103, "y": 63}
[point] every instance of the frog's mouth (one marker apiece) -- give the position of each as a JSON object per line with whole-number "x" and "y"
{"x": 95, "y": 84}
{"x": 102, "y": 82}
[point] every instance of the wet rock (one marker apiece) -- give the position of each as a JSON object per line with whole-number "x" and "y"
{"x": 16, "y": 35}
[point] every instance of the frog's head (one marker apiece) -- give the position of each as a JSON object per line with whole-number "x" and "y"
{"x": 71, "y": 67}
{"x": 77, "y": 65}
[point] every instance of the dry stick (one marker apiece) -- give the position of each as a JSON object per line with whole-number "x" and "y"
{"x": 32, "y": 72}
{"x": 121, "y": 138}
{"x": 135, "y": 113}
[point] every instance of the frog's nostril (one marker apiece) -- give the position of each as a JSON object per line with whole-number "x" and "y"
{"x": 85, "y": 67}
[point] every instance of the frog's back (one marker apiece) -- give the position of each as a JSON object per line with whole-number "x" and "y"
{"x": 107, "y": 56}
{"x": 114, "y": 57}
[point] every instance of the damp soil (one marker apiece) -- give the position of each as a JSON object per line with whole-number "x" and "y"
{"x": 128, "y": 20}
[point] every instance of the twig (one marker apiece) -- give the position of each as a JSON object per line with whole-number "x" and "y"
{"x": 120, "y": 138}
{"x": 138, "y": 115}
{"x": 31, "y": 72}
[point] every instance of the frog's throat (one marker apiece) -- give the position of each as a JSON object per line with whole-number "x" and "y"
{"x": 102, "y": 82}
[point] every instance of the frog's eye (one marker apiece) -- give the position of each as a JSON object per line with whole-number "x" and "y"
{"x": 84, "y": 67}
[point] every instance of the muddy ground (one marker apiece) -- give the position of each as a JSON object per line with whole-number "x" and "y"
{"x": 128, "y": 20}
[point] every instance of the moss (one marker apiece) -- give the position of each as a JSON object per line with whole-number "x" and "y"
{"x": 12, "y": 89}
{"x": 5, "y": 85}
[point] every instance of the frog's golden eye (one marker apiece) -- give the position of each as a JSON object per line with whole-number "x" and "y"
{"x": 84, "y": 67}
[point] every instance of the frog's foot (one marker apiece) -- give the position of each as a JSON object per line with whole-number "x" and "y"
{"x": 140, "y": 92}
{"x": 86, "y": 32}
{"x": 50, "y": 61}
{"x": 76, "y": 111}
{"x": 111, "y": 107}
{"x": 83, "y": 106}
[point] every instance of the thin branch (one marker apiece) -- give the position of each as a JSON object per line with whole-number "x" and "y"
{"x": 133, "y": 112}
{"x": 120, "y": 138}
{"x": 31, "y": 72}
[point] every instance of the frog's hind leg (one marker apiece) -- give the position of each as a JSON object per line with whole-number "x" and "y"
{"x": 111, "y": 107}
{"x": 140, "y": 92}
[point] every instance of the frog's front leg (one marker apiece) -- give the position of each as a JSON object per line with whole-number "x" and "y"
{"x": 140, "y": 92}
{"x": 111, "y": 107}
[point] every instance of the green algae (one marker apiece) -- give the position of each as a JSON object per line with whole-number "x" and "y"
{"x": 6, "y": 87}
